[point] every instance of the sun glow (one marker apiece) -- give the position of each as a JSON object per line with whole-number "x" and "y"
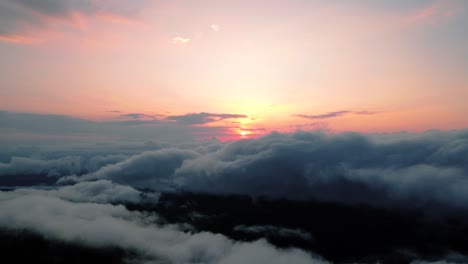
{"x": 244, "y": 133}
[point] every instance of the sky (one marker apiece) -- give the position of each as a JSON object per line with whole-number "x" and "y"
{"x": 230, "y": 69}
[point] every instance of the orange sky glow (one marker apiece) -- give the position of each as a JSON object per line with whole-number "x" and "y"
{"x": 272, "y": 65}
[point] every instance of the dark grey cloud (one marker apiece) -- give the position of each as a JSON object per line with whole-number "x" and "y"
{"x": 52, "y": 168}
{"x": 137, "y": 116}
{"x": 56, "y": 7}
{"x": 43, "y": 122}
{"x": 150, "y": 169}
{"x": 347, "y": 168}
{"x": 202, "y": 118}
{"x": 11, "y": 16}
{"x": 102, "y": 191}
{"x": 45, "y": 167}
{"x": 18, "y": 16}
{"x": 41, "y": 129}
{"x": 335, "y": 114}
{"x": 414, "y": 169}
{"x": 324, "y": 116}
{"x": 270, "y": 230}
{"x": 410, "y": 170}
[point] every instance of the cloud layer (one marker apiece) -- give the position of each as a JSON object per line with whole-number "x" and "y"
{"x": 383, "y": 170}
{"x": 425, "y": 171}
{"x": 104, "y": 225}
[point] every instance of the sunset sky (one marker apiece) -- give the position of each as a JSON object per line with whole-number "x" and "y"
{"x": 234, "y": 131}
{"x": 234, "y": 69}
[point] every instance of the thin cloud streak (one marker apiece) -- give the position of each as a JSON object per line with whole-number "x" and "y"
{"x": 215, "y": 27}
{"x": 138, "y": 116}
{"x": 435, "y": 12}
{"x": 335, "y": 114}
{"x": 202, "y": 118}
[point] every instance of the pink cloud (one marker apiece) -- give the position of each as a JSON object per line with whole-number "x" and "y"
{"x": 433, "y": 13}
{"x": 31, "y": 23}
{"x": 118, "y": 19}
{"x": 19, "y": 39}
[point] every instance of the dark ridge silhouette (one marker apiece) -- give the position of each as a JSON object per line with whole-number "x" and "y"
{"x": 28, "y": 247}
{"x": 340, "y": 233}
{"x": 26, "y": 180}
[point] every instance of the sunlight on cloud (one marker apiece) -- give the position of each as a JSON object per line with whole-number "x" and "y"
{"x": 215, "y": 27}
{"x": 19, "y": 39}
{"x": 180, "y": 40}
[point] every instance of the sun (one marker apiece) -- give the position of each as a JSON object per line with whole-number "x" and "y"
{"x": 243, "y": 133}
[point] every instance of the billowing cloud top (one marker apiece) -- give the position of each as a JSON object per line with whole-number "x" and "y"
{"x": 425, "y": 171}
{"x": 383, "y": 170}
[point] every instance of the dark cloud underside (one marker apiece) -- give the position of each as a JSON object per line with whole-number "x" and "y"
{"x": 202, "y": 118}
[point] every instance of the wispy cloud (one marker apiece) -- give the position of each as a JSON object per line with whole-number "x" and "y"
{"x": 117, "y": 19}
{"x": 202, "y": 118}
{"x": 180, "y": 40}
{"x": 364, "y": 113}
{"x": 138, "y": 116}
{"x": 432, "y": 13}
{"x": 19, "y": 39}
{"x": 335, "y": 114}
{"x": 215, "y": 27}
